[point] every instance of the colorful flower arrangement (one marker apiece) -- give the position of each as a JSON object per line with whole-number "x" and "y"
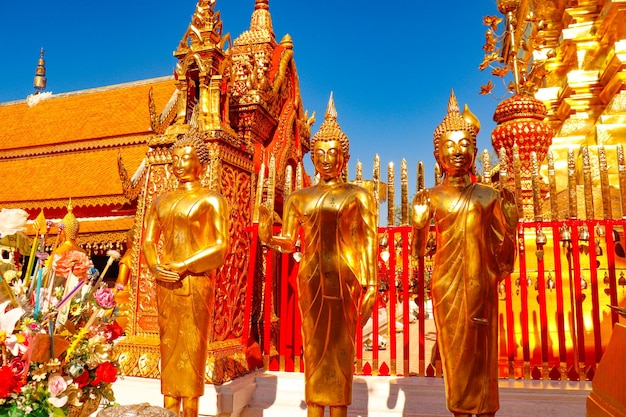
{"x": 57, "y": 334}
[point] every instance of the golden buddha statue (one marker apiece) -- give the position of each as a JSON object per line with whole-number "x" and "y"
{"x": 122, "y": 295}
{"x": 192, "y": 223}
{"x": 68, "y": 233}
{"x": 338, "y": 272}
{"x": 475, "y": 227}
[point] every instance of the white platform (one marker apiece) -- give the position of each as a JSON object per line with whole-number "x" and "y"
{"x": 277, "y": 394}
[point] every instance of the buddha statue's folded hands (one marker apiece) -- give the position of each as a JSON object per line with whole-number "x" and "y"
{"x": 169, "y": 272}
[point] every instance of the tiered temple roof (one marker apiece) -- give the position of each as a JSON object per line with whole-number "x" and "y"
{"x": 67, "y": 147}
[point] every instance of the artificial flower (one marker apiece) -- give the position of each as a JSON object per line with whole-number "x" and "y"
{"x": 105, "y": 298}
{"x": 113, "y": 331}
{"x": 72, "y": 261}
{"x": 12, "y": 221}
{"x": 9, "y": 382}
{"x": 8, "y": 319}
{"x": 105, "y": 372}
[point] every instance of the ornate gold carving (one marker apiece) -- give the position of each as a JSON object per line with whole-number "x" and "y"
{"x": 232, "y": 283}
{"x": 64, "y": 148}
{"x": 60, "y": 203}
{"x": 131, "y": 186}
{"x": 159, "y": 122}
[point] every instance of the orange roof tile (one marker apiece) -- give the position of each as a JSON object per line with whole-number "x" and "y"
{"x": 92, "y": 174}
{"x": 111, "y": 111}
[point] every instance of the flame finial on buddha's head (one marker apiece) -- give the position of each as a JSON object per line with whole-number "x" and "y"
{"x": 455, "y": 121}
{"x": 330, "y": 130}
{"x": 70, "y": 223}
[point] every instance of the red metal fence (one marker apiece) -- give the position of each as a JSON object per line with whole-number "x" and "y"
{"x": 554, "y": 317}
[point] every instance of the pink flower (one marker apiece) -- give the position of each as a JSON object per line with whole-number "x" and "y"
{"x": 73, "y": 261}
{"x": 19, "y": 367}
{"x": 104, "y": 297}
{"x": 56, "y": 384}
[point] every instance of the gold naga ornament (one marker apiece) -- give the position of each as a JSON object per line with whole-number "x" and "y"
{"x": 476, "y": 227}
{"x": 337, "y": 276}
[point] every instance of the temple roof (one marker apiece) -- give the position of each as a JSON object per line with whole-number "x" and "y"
{"x": 113, "y": 111}
{"x": 67, "y": 146}
{"x": 89, "y": 177}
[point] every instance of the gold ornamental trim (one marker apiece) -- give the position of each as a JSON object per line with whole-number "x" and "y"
{"x": 62, "y": 202}
{"x": 118, "y": 141}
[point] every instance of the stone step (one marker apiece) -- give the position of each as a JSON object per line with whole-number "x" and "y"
{"x": 282, "y": 394}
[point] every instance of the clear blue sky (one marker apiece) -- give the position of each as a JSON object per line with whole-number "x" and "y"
{"x": 390, "y": 64}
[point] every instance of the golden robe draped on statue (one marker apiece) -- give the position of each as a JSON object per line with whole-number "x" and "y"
{"x": 470, "y": 260}
{"x": 185, "y": 307}
{"x": 330, "y": 290}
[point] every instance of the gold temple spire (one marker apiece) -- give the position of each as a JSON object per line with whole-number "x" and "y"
{"x": 40, "y": 74}
{"x": 261, "y": 30}
{"x": 330, "y": 129}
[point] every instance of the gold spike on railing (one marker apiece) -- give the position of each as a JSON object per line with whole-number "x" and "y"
{"x": 604, "y": 183}
{"x": 288, "y": 182}
{"x": 259, "y": 193}
{"x": 376, "y": 179}
{"x": 404, "y": 191}
{"x": 535, "y": 186}
{"x": 517, "y": 180}
{"x": 359, "y": 173}
{"x": 299, "y": 176}
{"x": 621, "y": 167}
{"x": 271, "y": 184}
{"x": 437, "y": 174}
{"x": 554, "y": 201}
{"x": 587, "y": 184}
{"x": 391, "y": 195}
{"x": 571, "y": 184}
{"x": 504, "y": 175}
{"x": 420, "y": 184}
{"x": 486, "y": 167}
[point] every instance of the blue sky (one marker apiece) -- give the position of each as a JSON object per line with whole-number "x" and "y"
{"x": 391, "y": 65}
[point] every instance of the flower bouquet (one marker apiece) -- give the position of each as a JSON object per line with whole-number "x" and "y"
{"x": 57, "y": 333}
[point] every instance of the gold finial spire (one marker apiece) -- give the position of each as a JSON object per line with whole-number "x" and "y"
{"x": 40, "y": 73}
{"x": 70, "y": 222}
{"x": 330, "y": 129}
{"x": 454, "y": 121}
{"x": 261, "y": 19}
{"x": 261, "y": 30}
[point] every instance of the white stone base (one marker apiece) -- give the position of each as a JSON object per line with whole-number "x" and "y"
{"x": 225, "y": 400}
{"x": 277, "y": 394}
